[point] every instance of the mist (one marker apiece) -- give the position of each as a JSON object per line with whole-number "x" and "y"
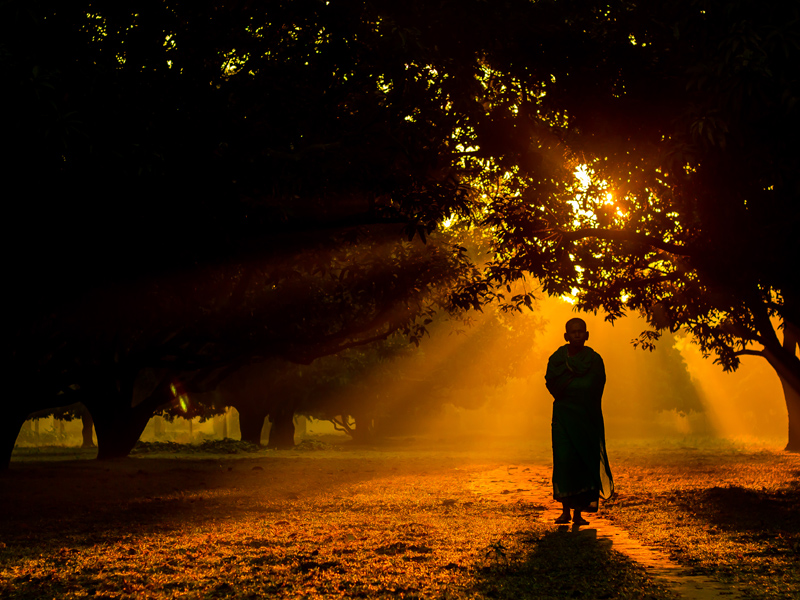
{"x": 484, "y": 378}
{"x": 669, "y": 393}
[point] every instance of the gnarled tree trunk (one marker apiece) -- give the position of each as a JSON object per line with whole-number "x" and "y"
{"x": 117, "y": 423}
{"x": 251, "y": 421}
{"x": 782, "y": 356}
{"x": 118, "y": 427}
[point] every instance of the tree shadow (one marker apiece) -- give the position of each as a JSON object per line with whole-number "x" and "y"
{"x": 746, "y": 510}
{"x": 568, "y": 563}
{"x": 50, "y": 502}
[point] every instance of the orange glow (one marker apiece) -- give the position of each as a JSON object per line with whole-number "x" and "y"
{"x": 469, "y": 404}
{"x": 464, "y": 398}
{"x": 744, "y": 406}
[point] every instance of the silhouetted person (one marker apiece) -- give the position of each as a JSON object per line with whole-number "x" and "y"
{"x": 576, "y": 378}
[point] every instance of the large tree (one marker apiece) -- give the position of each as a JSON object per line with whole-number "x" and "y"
{"x": 206, "y": 161}
{"x": 208, "y": 183}
{"x": 670, "y": 181}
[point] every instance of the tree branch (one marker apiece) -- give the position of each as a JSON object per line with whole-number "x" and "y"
{"x": 786, "y": 364}
{"x": 319, "y": 351}
{"x": 749, "y": 353}
{"x": 343, "y": 425}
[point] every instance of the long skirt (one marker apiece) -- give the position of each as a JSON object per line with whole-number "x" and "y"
{"x": 581, "y": 473}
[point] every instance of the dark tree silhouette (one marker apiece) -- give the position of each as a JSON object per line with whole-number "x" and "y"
{"x": 198, "y": 168}
{"x": 209, "y": 184}
{"x": 681, "y": 116}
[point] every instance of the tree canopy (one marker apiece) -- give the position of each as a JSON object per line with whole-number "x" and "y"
{"x": 210, "y": 184}
{"x": 674, "y": 181}
{"x": 206, "y": 183}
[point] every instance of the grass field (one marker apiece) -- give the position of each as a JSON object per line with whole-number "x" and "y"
{"x": 403, "y": 521}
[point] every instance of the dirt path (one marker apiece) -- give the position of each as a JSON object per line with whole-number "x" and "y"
{"x": 531, "y": 484}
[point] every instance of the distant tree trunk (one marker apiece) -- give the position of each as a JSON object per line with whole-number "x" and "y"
{"x": 251, "y": 422}
{"x": 9, "y": 430}
{"x": 87, "y": 430}
{"x": 300, "y": 425}
{"x": 221, "y": 425}
{"x": 364, "y": 430}
{"x": 281, "y": 434}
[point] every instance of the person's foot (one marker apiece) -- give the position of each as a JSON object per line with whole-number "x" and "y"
{"x": 579, "y": 520}
{"x": 563, "y": 519}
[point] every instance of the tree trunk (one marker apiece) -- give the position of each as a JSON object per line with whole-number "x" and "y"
{"x": 87, "y": 430}
{"x": 118, "y": 428}
{"x": 791, "y": 393}
{"x": 792, "y": 397}
{"x": 9, "y": 430}
{"x": 221, "y": 425}
{"x": 119, "y": 425}
{"x": 251, "y": 421}
{"x": 364, "y": 430}
{"x": 782, "y": 356}
{"x": 281, "y": 434}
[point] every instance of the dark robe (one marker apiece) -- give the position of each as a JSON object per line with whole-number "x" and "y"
{"x": 581, "y": 474}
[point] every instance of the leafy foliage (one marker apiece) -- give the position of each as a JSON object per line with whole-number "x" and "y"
{"x": 669, "y": 179}
{"x": 213, "y": 183}
{"x": 255, "y": 172}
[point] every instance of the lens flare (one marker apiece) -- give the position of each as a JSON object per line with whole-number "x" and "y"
{"x": 180, "y": 396}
